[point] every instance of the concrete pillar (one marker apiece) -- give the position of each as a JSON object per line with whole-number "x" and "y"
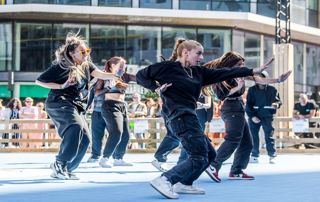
{"x": 283, "y": 63}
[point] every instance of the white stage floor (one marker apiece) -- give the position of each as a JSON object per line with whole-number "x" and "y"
{"x": 25, "y": 177}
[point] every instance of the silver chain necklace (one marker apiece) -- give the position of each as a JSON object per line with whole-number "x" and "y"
{"x": 185, "y": 70}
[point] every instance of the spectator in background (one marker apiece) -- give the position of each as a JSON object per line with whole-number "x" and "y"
{"x": 30, "y": 112}
{"x": 13, "y": 112}
{"x": 2, "y": 117}
{"x": 42, "y": 115}
{"x": 262, "y": 103}
{"x": 136, "y": 108}
{"x": 304, "y": 109}
{"x": 149, "y": 102}
{"x": 158, "y": 107}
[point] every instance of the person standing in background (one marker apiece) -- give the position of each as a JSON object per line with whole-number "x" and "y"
{"x": 262, "y": 104}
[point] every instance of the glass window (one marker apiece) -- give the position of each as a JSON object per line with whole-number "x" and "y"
{"x": 155, "y": 4}
{"x": 5, "y": 46}
{"x": 72, "y": 2}
{"x": 313, "y": 18}
{"x": 143, "y": 45}
{"x": 169, "y": 36}
{"x": 312, "y": 63}
{"x": 60, "y": 32}
{"x": 268, "y": 53}
{"x": 30, "y": 1}
{"x": 313, "y": 4}
{"x": 117, "y": 3}
{"x": 195, "y": 4}
{"x": 267, "y": 8}
{"x": 106, "y": 42}
{"x": 33, "y": 40}
{"x": 298, "y": 66}
{"x": 298, "y": 7}
{"x": 231, "y": 5}
{"x": 248, "y": 45}
{"x": 215, "y": 42}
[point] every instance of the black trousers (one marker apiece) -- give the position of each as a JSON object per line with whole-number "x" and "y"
{"x": 73, "y": 130}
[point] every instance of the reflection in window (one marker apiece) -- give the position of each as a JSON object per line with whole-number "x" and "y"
{"x": 299, "y": 9}
{"x": 215, "y": 42}
{"x": 298, "y": 63}
{"x": 72, "y": 2}
{"x": 169, "y": 36}
{"x": 106, "y": 42}
{"x": 143, "y": 45}
{"x": 5, "y": 46}
{"x": 268, "y": 53}
{"x": 68, "y": 2}
{"x": 115, "y": 3}
{"x": 231, "y": 5}
{"x": 155, "y": 4}
{"x": 267, "y": 8}
{"x": 313, "y": 65}
{"x": 33, "y": 41}
{"x": 31, "y": 1}
{"x": 195, "y": 4}
{"x": 248, "y": 45}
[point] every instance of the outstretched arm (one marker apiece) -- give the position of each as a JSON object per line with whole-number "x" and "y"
{"x": 263, "y": 81}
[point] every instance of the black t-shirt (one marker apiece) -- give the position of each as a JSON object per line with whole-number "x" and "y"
{"x": 304, "y": 110}
{"x": 59, "y": 74}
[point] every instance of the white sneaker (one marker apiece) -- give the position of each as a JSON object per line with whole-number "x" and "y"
{"x": 92, "y": 160}
{"x": 105, "y": 163}
{"x": 121, "y": 162}
{"x": 254, "y": 159}
{"x": 272, "y": 160}
{"x": 161, "y": 166}
{"x": 164, "y": 187}
{"x": 187, "y": 189}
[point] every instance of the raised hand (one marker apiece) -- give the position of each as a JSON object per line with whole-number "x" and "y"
{"x": 69, "y": 82}
{"x": 163, "y": 88}
{"x": 258, "y": 70}
{"x": 284, "y": 76}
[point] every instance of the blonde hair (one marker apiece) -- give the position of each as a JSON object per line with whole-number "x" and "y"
{"x": 64, "y": 59}
{"x": 181, "y": 44}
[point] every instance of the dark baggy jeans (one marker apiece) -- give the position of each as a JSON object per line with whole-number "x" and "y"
{"x": 115, "y": 115}
{"x": 198, "y": 146}
{"x": 169, "y": 143}
{"x": 73, "y": 130}
{"x": 238, "y": 138}
{"x": 98, "y": 126}
{"x": 268, "y": 129}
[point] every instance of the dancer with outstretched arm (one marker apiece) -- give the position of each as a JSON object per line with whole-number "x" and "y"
{"x": 180, "y": 84}
{"x": 68, "y": 79}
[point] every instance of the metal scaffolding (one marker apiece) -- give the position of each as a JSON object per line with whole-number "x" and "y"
{"x": 283, "y": 33}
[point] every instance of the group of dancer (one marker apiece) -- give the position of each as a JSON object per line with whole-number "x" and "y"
{"x": 179, "y": 82}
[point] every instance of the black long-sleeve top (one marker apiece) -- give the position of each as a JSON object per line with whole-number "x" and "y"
{"x": 181, "y": 97}
{"x": 259, "y": 101}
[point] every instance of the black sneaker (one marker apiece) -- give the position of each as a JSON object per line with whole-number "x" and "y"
{"x": 73, "y": 176}
{"x": 59, "y": 170}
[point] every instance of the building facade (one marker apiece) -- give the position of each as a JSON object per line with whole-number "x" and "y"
{"x": 143, "y": 30}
